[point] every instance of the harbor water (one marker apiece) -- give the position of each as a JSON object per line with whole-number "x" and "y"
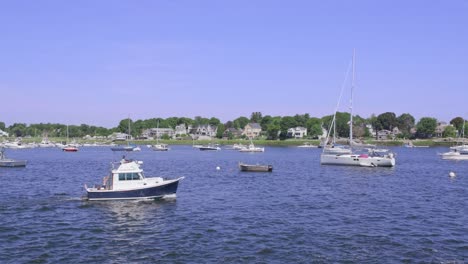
{"x": 301, "y": 212}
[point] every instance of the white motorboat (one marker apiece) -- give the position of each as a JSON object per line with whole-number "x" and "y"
{"x": 307, "y": 145}
{"x": 45, "y": 143}
{"x": 354, "y": 159}
{"x": 454, "y": 155}
{"x": 127, "y": 181}
{"x": 209, "y": 147}
{"x": 251, "y": 148}
{"x": 160, "y": 147}
{"x": 5, "y": 162}
{"x": 14, "y": 145}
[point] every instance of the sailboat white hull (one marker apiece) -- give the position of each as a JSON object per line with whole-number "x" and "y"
{"x": 358, "y": 160}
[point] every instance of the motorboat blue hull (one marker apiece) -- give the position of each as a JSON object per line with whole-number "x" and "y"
{"x": 144, "y": 193}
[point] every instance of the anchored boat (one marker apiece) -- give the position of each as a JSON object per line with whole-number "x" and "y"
{"x": 5, "y": 162}
{"x": 127, "y": 181}
{"x": 255, "y": 168}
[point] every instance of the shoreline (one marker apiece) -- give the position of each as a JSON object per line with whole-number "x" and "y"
{"x": 261, "y": 142}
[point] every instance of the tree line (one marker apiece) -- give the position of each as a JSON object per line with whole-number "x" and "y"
{"x": 273, "y": 127}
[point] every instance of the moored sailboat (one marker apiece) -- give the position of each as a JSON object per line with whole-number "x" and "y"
{"x": 372, "y": 159}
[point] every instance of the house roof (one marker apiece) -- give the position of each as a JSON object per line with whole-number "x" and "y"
{"x": 254, "y": 125}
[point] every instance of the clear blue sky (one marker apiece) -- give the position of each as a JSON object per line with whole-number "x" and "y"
{"x": 98, "y": 62}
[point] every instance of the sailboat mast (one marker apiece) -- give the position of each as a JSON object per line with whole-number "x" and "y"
{"x": 129, "y": 133}
{"x": 351, "y": 106}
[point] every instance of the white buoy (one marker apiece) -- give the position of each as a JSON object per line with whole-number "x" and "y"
{"x": 452, "y": 174}
{"x": 218, "y": 168}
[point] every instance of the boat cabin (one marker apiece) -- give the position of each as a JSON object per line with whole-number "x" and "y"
{"x": 128, "y": 175}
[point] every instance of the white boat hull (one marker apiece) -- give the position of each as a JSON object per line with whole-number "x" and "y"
{"x": 357, "y": 160}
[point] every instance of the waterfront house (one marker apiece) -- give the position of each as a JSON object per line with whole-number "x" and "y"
{"x": 236, "y": 133}
{"x": 297, "y": 132}
{"x": 252, "y": 130}
{"x": 441, "y": 126}
{"x": 158, "y": 132}
{"x": 204, "y": 130}
{"x": 384, "y": 134}
{"x": 119, "y": 136}
{"x": 181, "y": 130}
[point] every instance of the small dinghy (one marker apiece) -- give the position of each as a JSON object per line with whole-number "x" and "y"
{"x": 255, "y": 168}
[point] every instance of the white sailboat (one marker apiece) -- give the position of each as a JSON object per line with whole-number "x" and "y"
{"x": 458, "y": 152}
{"x": 372, "y": 159}
{"x": 128, "y": 147}
{"x": 68, "y": 146}
{"x": 158, "y": 146}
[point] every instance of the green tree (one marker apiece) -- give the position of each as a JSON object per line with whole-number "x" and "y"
{"x": 214, "y": 121}
{"x": 256, "y": 117}
{"x": 2, "y": 126}
{"x": 388, "y": 120}
{"x": 124, "y": 125}
{"x": 426, "y": 127}
{"x": 17, "y": 130}
{"x": 449, "y": 131}
{"x": 301, "y": 120}
{"x": 241, "y": 122}
{"x": 314, "y": 127}
{"x": 458, "y": 123}
{"x": 405, "y": 124}
{"x": 220, "y": 131}
{"x": 286, "y": 123}
{"x": 273, "y": 130}
{"x": 201, "y": 121}
{"x": 266, "y": 120}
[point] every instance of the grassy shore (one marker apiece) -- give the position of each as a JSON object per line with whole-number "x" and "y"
{"x": 288, "y": 142}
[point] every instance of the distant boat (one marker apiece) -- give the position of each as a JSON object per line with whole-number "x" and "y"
{"x": 123, "y": 148}
{"x": 45, "y": 143}
{"x": 459, "y": 152}
{"x": 209, "y": 147}
{"x": 255, "y": 168}
{"x": 307, "y": 145}
{"x": 14, "y": 145}
{"x": 158, "y": 146}
{"x": 128, "y": 147}
{"x": 251, "y": 148}
{"x": 128, "y": 182}
{"x": 70, "y": 147}
{"x": 5, "y": 162}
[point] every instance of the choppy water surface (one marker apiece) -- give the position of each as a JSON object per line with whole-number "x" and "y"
{"x": 300, "y": 213}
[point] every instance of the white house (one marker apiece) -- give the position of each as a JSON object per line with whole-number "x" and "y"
{"x": 297, "y": 132}
{"x": 181, "y": 130}
{"x": 3, "y": 133}
{"x": 158, "y": 132}
{"x": 119, "y": 136}
{"x": 204, "y": 130}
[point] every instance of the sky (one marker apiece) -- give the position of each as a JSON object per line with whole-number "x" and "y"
{"x": 98, "y": 62}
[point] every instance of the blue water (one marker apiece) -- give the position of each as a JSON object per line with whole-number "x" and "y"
{"x": 302, "y": 212}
